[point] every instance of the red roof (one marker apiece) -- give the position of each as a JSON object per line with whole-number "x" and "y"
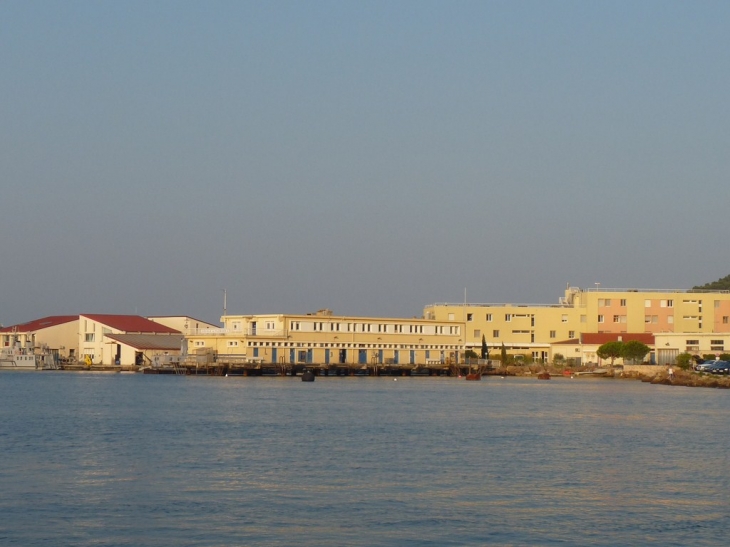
{"x": 38, "y": 324}
{"x": 599, "y": 338}
{"x": 130, "y": 323}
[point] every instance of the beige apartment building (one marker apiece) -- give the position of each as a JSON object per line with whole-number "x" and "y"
{"x": 531, "y": 329}
{"x": 325, "y": 338}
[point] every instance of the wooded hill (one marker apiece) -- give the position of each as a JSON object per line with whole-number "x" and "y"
{"x": 719, "y": 285}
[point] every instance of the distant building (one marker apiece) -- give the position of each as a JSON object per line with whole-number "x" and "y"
{"x": 583, "y": 350}
{"x": 326, "y": 338}
{"x": 183, "y": 323}
{"x": 98, "y": 339}
{"x": 57, "y": 333}
{"x": 532, "y": 329}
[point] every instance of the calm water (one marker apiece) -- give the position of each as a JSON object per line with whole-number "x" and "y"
{"x": 124, "y": 459}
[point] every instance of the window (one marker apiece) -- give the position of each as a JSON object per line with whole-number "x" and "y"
{"x": 571, "y": 334}
{"x": 583, "y": 319}
{"x": 670, "y": 319}
{"x": 608, "y": 302}
{"x": 489, "y": 317}
{"x": 623, "y": 302}
{"x": 232, "y": 343}
{"x": 600, "y": 319}
{"x": 564, "y": 319}
{"x": 89, "y": 337}
{"x": 619, "y": 319}
{"x": 469, "y": 316}
{"x": 647, "y": 303}
{"x": 495, "y": 334}
{"x": 670, "y": 303}
{"x": 717, "y": 304}
{"x": 601, "y": 303}
{"x": 725, "y": 319}
{"x": 477, "y": 333}
{"x": 270, "y": 325}
{"x": 255, "y": 352}
{"x": 552, "y": 334}
{"x": 451, "y": 317}
{"x": 507, "y": 317}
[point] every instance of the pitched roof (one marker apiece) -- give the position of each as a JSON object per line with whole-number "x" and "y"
{"x": 165, "y": 342}
{"x": 43, "y": 323}
{"x": 599, "y": 338}
{"x": 130, "y": 323}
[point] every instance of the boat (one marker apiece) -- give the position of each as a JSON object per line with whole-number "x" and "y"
{"x": 474, "y": 376}
{"x": 543, "y": 376}
{"x": 307, "y": 376}
{"x": 19, "y": 358}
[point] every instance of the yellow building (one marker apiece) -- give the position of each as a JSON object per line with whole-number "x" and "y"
{"x": 328, "y": 339}
{"x": 530, "y": 329}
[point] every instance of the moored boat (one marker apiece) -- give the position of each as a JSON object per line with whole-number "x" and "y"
{"x": 26, "y": 359}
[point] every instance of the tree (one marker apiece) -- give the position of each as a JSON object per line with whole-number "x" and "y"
{"x": 485, "y": 349}
{"x": 503, "y": 355}
{"x": 610, "y": 350}
{"x": 684, "y": 361}
{"x": 721, "y": 284}
{"x": 558, "y": 358}
{"x": 635, "y": 351}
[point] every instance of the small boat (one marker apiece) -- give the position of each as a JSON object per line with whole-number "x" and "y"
{"x": 307, "y": 376}
{"x": 19, "y": 358}
{"x": 474, "y": 376}
{"x": 543, "y": 376}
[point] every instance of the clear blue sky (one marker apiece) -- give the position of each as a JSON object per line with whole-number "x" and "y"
{"x": 368, "y": 157}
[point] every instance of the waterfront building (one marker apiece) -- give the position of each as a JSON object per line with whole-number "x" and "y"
{"x": 99, "y": 341}
{"x": 532, "y": 329}
{"x": 326, "y": 338}
{"x": 57, "y": 334}
{"x": 584, "y": 349}
{"x": 701, "y": 344}
{"x": 106, "y": 339}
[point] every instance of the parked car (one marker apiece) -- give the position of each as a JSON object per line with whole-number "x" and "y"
{"x": 702, "y": 367}
{"x": 719, "y": 367}
{"x": 714, "y": 367}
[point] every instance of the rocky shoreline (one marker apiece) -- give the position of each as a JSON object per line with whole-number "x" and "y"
{"x": 686, "y": 378}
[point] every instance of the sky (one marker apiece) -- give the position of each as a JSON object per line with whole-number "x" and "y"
{"x": 367, "y": 157}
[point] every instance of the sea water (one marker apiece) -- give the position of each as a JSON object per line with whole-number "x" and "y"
{"x": 134, "y": 460}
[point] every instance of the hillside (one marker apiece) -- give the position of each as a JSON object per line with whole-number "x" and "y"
{"x": 719, "y": 285}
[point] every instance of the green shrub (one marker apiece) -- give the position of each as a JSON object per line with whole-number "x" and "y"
{"x": 684, "y": 361}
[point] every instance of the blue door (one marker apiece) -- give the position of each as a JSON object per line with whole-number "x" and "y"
{"x": 413, "y": 357}
{"x": 395, "y": 357}
{"x": 326, "y": 357}
{"x": 380, "y": 356}
{"x": 292, "y": 356}
{"x": 362, "y": 357}
{"x": 273, "y": 355}
{"x": 309, "y": 356}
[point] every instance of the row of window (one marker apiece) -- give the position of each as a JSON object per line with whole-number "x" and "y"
{"x": 349, "y": 345}
{"x": 385, "y": 328}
